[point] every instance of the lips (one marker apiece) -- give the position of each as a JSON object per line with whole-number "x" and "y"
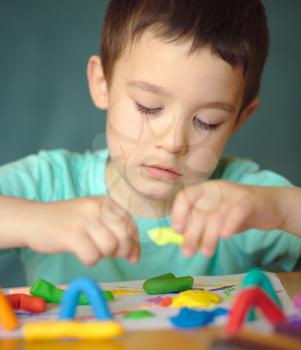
{"x": 161, "y": 172}
{"x": 164, "y": 168}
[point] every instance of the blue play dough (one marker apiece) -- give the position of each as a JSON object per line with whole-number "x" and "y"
{"x": 91, "y": 289}
{"x": 189, "y": 318}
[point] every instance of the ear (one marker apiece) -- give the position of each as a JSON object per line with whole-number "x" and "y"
{"x": 97, "y": 82}
{"x": 245, "y": 114}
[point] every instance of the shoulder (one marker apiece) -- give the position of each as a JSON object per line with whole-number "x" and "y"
{"x": 55, "y": 174}
{"x": 245, "y": 171}
{"x": 85, "y": 172}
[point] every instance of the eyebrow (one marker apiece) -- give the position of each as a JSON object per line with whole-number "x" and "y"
{"x": 228, "y": 107}
{"x": 159, "y": 90}
{"x": 143, "y": 85}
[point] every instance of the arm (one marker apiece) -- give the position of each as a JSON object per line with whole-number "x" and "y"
{"x": 36, "y": 212}
{"x": 290, "y": 204}
{"x": 91, "y": 228}
{"x": 13, "y": 213}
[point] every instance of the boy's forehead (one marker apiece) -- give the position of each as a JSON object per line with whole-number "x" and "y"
{"x": 170, "y": 66}
{"x": 149, "y": 48}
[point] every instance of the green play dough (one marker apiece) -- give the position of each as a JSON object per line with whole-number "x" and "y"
{"x": 167, "y": 283}
{"x": 138, "y": 314}
{"x": 52, "y": 294}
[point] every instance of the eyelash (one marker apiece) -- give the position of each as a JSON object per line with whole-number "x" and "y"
{"x": 146, "y": 110}
{"x": 152, "y": 111}
{"x": 204, "y": 125}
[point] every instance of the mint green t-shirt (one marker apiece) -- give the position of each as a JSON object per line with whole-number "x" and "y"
{"x": 59, "y": 175}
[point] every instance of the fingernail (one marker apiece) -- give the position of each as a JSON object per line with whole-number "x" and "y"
{"x": 188, "y": 252}
{"x": 178, "y": 228}
{"x": 133, "y": 259}
{"x": 226, "y": 234}
{"x": 206, "y": 251}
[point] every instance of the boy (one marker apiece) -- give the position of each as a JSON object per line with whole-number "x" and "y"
{"x": 177, "y": 80}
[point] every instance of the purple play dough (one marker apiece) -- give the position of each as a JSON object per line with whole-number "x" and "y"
{"x": 297, "y": 301}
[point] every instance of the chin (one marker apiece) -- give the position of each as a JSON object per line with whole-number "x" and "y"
{"x": 156, "y": 191}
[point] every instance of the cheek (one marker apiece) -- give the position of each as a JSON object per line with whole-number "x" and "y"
{"x": 124, "y": 150}
{"x": 124, "y": 131}
{"x": 119, "y": 146}
{"x": 204, "y": 158}
{"x": 124, "y": 122}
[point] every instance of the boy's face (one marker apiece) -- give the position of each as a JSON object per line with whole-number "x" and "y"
{"x": 170, "y": 110}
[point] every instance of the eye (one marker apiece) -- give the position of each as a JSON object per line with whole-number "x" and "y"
{"x": 147, "y": 110}
{"x": 205, "y": 126}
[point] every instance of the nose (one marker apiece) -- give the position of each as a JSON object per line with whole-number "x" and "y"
{"x": 174, "y": 138}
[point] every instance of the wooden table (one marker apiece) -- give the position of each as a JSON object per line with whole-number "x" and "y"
{"x": 175, "y": 339}
{"x": 291, "y": 282}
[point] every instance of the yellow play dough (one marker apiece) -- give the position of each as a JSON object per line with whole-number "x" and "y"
{"x": 165, "y": 235}
{"x": 196, "y": 298}
{"x": 55, "y": 330}
{"x": 120, "y": 292}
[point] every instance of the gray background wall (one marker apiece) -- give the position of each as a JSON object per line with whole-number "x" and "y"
{"x": 44, "y": 101}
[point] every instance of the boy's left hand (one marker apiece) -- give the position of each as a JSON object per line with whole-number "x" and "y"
{"x": 216, "y": 209}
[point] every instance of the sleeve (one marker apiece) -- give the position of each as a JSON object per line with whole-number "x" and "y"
{"x": 32, "y": 178}
{"x": 244, "y": 171}
{"x": 272, "y": 250}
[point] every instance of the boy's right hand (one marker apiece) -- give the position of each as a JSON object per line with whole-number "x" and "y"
{"x": 91, "y": 228}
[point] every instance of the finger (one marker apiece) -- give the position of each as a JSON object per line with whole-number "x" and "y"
{"x": 85, "y": 249}
{"x": 193, "y": 234}
{"x": 182, "y": 205}
{"x": 125, "y": 234}
{"x": 113, "y": 217}
{"x": 212, "y": 233}
{"x": 234, "y": 222}
{"x": 132, "y": 232}
{"x": 135, "y": 256}
{"x": 104, "y": 239}
{"x": 121, "y": 224}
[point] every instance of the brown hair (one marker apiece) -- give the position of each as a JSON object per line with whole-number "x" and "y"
{"x": 236, "y": 30}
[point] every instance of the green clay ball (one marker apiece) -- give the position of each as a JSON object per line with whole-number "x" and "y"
{"x": 167, "y": 283}
{"x": 138, "y": 314}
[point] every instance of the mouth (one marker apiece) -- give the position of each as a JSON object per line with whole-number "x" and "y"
{"x": 162, "y": 173}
